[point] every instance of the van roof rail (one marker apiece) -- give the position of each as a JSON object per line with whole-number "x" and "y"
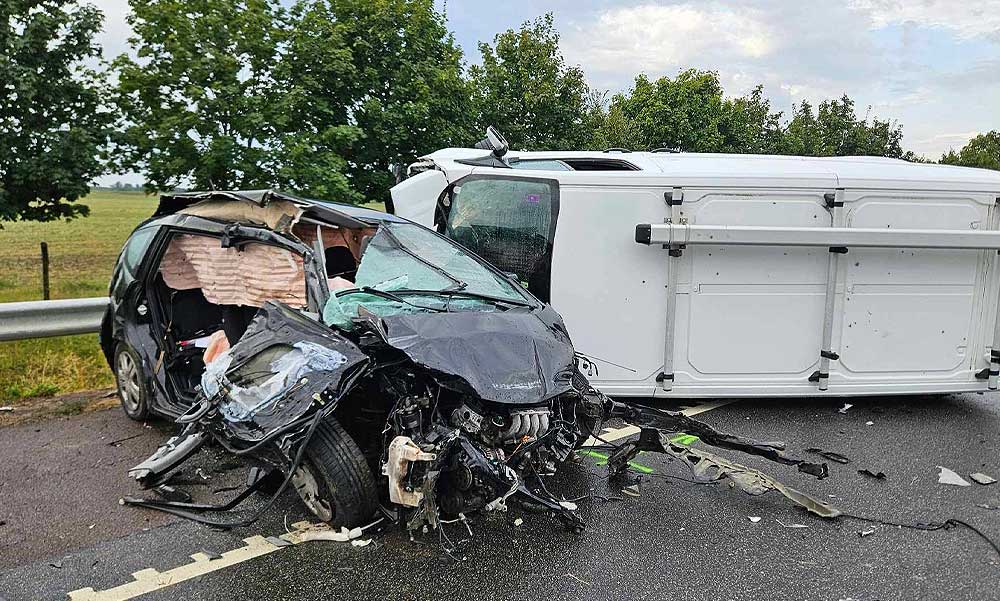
{"x": 617, "y": 150}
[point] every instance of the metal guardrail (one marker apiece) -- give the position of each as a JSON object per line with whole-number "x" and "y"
{"x": 41, "y": 319}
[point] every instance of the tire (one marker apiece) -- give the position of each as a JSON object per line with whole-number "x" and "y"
{"x": 334, "y": 479}
{"x": 131, "y": 381}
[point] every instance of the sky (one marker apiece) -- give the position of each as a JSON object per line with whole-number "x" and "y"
{"x": 933, "y": 66}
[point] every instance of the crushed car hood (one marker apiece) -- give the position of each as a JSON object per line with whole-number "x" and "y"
{"x": 516, "y": 357}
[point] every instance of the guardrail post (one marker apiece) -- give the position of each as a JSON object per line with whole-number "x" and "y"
{"x": 45, "y": 271}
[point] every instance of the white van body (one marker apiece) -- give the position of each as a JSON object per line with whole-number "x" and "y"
{"x": 707, "y": 275}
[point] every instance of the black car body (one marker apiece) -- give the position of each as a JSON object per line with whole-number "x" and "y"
{"x": 366, "y": 361}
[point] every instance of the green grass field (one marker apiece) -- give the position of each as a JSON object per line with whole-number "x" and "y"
{"x": 82, "y": 254}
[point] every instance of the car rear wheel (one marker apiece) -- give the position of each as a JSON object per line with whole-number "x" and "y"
{"x": 334, "y": 479}
{"x": 131, "y": 383}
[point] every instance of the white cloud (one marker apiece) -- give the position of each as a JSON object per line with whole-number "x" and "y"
{"x": 966, "y": 18}
{"x": 653, "y": 38}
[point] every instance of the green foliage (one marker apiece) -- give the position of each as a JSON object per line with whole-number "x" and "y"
{"x": 835, "y": 130}
{"x": 983, "y": 151}
{"x": 525, "y": 89}
{"x": 689, "y": 113}
{"x": 198, "y": 99}
{"x": 378, "y": 82}
{"x": 53, "y": 124}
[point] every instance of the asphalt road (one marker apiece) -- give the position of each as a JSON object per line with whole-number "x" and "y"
{"x": 675, "y": 540}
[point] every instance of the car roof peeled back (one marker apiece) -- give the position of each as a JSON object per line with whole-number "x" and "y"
{"x": 266, "y": 206}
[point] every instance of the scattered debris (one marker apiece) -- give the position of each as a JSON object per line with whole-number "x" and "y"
{"x": 580, "y": 580}
{"x": 6, "y": 409}
{"x": 223, "y": 489}
{"x": 947, "y": 476}
{"x": 869, "y": 423}
{"x": 117, "y": 442}
{"x": 754, "y": 518}
{"x": 339, "y": 536}
{"x": 784, "y": 525}
{"x": 864, "y": 533}
{"x": 169, "y": 493}
{"x": 981, "y": 478}
{"x": 201, "y": 474}
{"x": 631, "y": 490}
{"x": 987, "y": 506}
{"x": 57, "y": 564}
{"x": 278, "y": 541}
{"x": 829, "y": 455}
{"x": 210, "y": 554}
{"x": 518, "y": 522}
{"x": 871, "y": 474}
{"x": 361, "y": 543}
{"x": 844, "y": 408}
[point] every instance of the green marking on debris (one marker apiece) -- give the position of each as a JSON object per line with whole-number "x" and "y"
{"x": 604, "y": 461}
{"x": 684, "y": 439}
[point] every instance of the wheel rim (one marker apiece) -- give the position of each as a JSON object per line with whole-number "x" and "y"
{"x": 129, "y": 390}
{"x": 308, "y": 488}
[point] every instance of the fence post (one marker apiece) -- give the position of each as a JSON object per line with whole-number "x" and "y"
{"x": 45, "y": 271}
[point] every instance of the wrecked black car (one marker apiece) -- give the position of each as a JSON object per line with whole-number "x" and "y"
{"x": 366, "y": 361}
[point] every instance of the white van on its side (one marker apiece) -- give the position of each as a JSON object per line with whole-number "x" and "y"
{"x": 707, "y": 275}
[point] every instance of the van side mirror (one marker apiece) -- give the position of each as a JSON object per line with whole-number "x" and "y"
{"x": 494, "y": 142}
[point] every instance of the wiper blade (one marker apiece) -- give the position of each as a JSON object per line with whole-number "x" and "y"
{"x": 464, "y": 294}
{"x": 392, "y": 297}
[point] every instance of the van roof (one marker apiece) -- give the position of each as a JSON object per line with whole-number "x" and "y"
{"x": 851, "y": 171}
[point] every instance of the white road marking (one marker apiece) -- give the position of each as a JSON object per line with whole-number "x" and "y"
{"x": 612, "y": 434}
{"x": 149, "y": 580}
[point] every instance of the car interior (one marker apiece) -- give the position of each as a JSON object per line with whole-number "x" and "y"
{"x": 204, "y": 296}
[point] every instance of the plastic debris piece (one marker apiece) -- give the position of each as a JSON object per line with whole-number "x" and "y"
{"x": 844, "y": 408}
{"x": 869, "y": 423}
{"x": 6, "y": 409}
{"x": 568, "y": 505}
{"x": 871, "y": 474}
{"x": 632, "y": 490}
{"x": 518, "y": 522}
{"x": 341, "y": 536}
{"x": 987, "y": 506}
{"x": 864, "y": 533}
{"x": 981, "y": 478}
{"x": 947, "y": 476}
{"x": 277, "y": 542}
{"x": 211, "y": 554}
{"x": 170, "y": 493}
{"x": 784, "y": 525}
{"x": 754, "y": 518}
{"x": 829, "y": 455}
{"x": 361, "y": 543}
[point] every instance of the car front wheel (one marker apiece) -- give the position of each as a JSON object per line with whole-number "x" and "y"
{"x": 131, "y": 383}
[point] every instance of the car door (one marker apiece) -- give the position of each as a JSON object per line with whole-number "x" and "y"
{"x": 508, "y": 220}
{"x": 128, "y": 311}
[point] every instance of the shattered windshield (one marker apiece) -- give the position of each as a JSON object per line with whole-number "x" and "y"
{"x": 427, "y": 262}
{"x": 408, "y": 269}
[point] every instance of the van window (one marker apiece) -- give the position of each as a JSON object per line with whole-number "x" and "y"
{"x": 540, "y": 165}
{"x": 510, "y": 222}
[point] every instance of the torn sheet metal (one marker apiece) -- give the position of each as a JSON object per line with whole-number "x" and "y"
{"x": 708, "y": 467}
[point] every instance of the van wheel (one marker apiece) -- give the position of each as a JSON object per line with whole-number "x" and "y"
{"x": 131, "y": 383}
{"x": 334, "y": 480}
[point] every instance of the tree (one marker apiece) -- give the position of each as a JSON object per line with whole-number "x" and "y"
{"x": 835, "y": 130}
{"x": 53, "y": 123}
{"x": 525, "y": 89}
{"x": 198, "y": 98}
{"x": 982, "y": 151}
{"x": 370, "y": 85}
